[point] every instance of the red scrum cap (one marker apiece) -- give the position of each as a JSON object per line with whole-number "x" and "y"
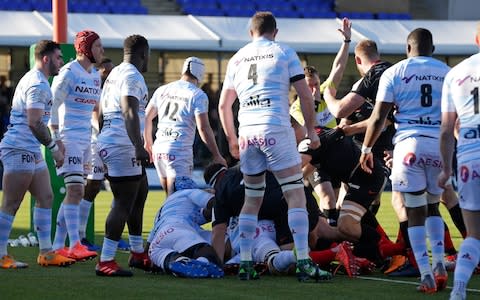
{"x": 84, "y": 41}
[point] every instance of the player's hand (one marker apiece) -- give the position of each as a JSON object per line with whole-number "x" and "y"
{"x": 314, "y": 139}
{"x": 444, "y": 179}
{"x": 148, "y": 147}
{"x": 59, "y": 155}
{"x": 220, "y": 160}
{"x": 234, "y": 149}
{"x": 346, "y": 29}
{"x": 142, "y": 156}
{"x": 388, "y": 158}
{"x": 366, "y": 162}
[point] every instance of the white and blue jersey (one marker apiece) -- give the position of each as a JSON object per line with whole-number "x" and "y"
{"x": 124, "y": 80}
{"x": 75, "y": 94}
{"x": 414, "y": 86}
{"x": 461, "y": 95}
{"x": 177, "y": 104}
{"x": 182, "y": 208}
{"x": 261, "y": 74}
{"x": 32, "y": 92}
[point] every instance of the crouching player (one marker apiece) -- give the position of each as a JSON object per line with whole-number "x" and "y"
{"x": 178, "y": 243}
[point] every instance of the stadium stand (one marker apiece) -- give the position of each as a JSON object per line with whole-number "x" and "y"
{"x": 78, "y": 6}
{"x": 230, "y": 8}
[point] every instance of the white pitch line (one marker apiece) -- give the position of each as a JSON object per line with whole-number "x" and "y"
{"x": 405, "y": 282}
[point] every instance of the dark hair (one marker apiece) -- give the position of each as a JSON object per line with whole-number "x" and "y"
{"x": 45, "y": 47}
{"x": 263, "y": 22}
{"x": 135, "y": 44}
{"x": 310, "y": 71}
{"x": 211, "y": 172}
{"x": 421, "y": 40}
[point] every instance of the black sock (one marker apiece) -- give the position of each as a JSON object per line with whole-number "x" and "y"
{"x": 404, "y": 230}
{"x": 457, "y": 218}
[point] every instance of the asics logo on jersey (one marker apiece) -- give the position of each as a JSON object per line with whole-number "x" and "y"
{"x": 461, "y": 81}
{"x": 422, "y": 78}
{"x": 472, "y": 80}
{"x": 255, "y": 101}
{"x": 424, "y": 121}
{"x": 87, "y": 90}
{"x": 472, "y": 133}
{"x": 258, "y": 57}
{"x": 407, "y": 79}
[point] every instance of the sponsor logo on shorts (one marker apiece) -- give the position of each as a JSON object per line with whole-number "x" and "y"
{"x": 409, "y": 159}
{"x": 257, "y": 142}
{"x": 464, "y": 173}
{"x": 103, "y": 153}
{"x": 27, "y": 158}
{"x": 165, "y": 156}
{"x": 74, "y": 160}
{"x": 162, "y": 234}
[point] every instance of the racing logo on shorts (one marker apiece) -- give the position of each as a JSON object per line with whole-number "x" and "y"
{"x": 409, "y": 159}
{"x": 103, "y": 153}
{"x": 464, "y": 173}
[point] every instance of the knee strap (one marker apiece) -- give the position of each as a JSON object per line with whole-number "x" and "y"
{"x": 291, "y": 182}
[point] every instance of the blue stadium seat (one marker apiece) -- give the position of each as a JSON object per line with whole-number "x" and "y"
{"x": 318, "y": 14}
{"x": 391, "y": 16}
{"x": 357, "y": 15}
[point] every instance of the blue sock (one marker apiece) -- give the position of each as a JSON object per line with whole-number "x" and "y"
{"x": 417, "y": 235}
{"x": 42, "y": 220}
{"x": 136, "y": 243}
{"x": 283, "y": 260}
{"x": 6, "y": 222}
{"x": 298, "y": 223}
{"x": 109, "y": 248}
{"x": 436, "y": 232}
{"x": 83, "y": 213}
{"x": 60, "y": 230}
{"x": 70, "y": 212}
{"x": 467, "y": 260}
{"x": 247, "y": 226}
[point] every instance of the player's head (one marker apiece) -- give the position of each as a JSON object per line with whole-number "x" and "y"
{"x": 420, "y": 43}
{"x": 195, "y": 68}
{"x": 477, "y": 35}
{"x": 104, "y": 68}
{"x": 48, "y": 56}
{"x": 89, "y": 44}
{"x": 137, "y": 51}
{"x": 212, "y": 173}
{"x": 311, "y": 76}
{"x": 263, "y": 23}
{"x": 366, "y": 54}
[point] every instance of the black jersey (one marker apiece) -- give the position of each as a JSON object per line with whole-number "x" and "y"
{"x": 367, "y": 87}
{"x": 230, "y": 194}
{"x": 338, "y": 157}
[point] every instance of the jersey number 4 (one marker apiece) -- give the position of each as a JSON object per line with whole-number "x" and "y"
{"x": 252, "y": 73}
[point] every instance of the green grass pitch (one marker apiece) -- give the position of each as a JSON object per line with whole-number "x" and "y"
{"x": 80, "y": 282}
